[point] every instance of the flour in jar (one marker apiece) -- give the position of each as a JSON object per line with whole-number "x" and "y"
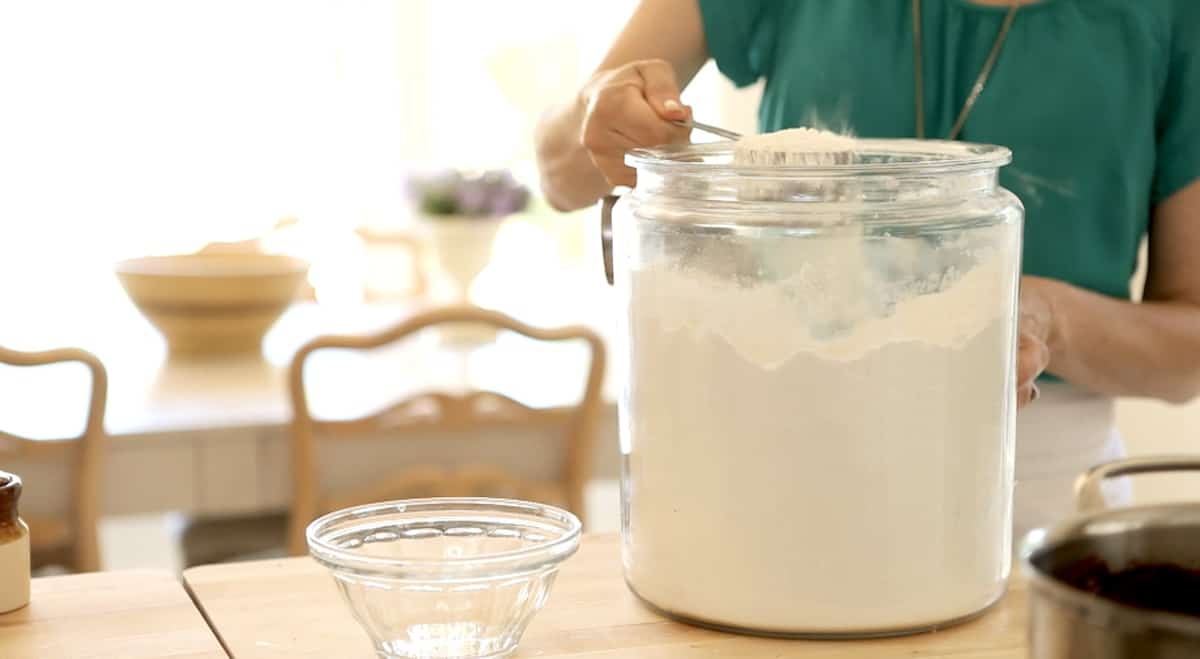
{"x": 799, "y": 462}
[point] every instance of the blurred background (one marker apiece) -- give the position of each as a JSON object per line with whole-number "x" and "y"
{"x": 136, "y": 127}
{"x": 330, "y": 131}
{"x": 333, "y": 131}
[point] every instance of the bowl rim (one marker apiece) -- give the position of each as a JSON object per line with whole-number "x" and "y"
{"x": 145, "y": 266}
{"x": 540, "y": 554}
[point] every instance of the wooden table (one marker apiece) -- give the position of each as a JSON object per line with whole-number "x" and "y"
{"x": 291, "y": 608}
{"x": 122, "y": 615}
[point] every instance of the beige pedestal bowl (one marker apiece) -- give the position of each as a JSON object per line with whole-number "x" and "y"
{"x": 212, "y": 304}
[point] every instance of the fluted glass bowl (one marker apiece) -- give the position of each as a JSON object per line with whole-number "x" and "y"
{"x": 449, "y": 577}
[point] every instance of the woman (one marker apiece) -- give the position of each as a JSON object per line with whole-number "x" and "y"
{"x": 1099, "y": 101}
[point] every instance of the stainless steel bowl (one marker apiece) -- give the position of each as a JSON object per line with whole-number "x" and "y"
{"x": 1068, "y": 623}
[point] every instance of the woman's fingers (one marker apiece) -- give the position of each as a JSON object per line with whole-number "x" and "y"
{"x": 1033, "y": 356}
{"x": 628, "y": 108}
{"x": 1036, "y": 319}
{"x": 661, "y": 89}
{"x": 1026, "y": 394}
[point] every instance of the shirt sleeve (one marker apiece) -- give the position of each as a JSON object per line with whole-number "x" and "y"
{"x": 1178, "y": 159}
{"x": 741, "y": 36}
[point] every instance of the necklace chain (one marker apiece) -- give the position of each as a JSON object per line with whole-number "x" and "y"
{"x": 980, "y": 80}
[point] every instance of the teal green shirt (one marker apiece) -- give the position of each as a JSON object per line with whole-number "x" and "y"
{"x": 1099, "y": 101}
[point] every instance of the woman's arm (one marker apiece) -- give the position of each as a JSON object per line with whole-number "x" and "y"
{"x": 1123, "y": 348}
{"x": 626, "y": 104}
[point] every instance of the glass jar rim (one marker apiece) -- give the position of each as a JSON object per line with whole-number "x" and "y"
{"x": 906, "y": 157}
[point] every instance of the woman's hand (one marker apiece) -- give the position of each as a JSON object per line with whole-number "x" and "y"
{"x": 1036, "y": 319}
{"x": 629, "y": 107}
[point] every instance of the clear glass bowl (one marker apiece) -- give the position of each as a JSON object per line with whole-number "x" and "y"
{"x": 445, "y": 577}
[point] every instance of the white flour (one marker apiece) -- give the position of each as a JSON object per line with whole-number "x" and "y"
{"x": 794, "y": 146}
{"x": 798, "y": 462}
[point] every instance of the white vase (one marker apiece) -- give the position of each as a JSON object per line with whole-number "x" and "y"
{"x": 462, "y": 247}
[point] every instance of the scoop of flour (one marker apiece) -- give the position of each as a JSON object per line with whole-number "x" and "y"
{"x": 794, "y": 146}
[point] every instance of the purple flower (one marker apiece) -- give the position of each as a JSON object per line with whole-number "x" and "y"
{"x": 473, "y": 197}
{"x": 508, "y": 201}
{"x": 490, "y": 194}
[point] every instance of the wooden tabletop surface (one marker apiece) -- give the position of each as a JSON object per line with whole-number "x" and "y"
{"x": 291, "y": 608}
{"x": 119, "y": 615}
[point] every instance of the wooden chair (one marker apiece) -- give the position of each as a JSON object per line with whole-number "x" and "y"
{"x": 448, "y": 417}
{"x": 67, "y": 539}
{"x": 380, "y": 246}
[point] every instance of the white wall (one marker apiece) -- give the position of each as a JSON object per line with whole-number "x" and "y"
{"x": 1151, "y": 427}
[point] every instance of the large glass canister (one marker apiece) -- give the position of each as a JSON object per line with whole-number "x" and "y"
{"x": 818, "y": 409}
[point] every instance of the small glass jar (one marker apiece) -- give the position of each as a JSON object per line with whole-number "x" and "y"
{"x": 817, "y": 418}
{"x": 14, "y": 547}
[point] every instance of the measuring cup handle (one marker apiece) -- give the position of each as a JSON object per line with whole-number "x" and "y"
{"x": 606, "y": 209}
{"x": 1088, "y": 494}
